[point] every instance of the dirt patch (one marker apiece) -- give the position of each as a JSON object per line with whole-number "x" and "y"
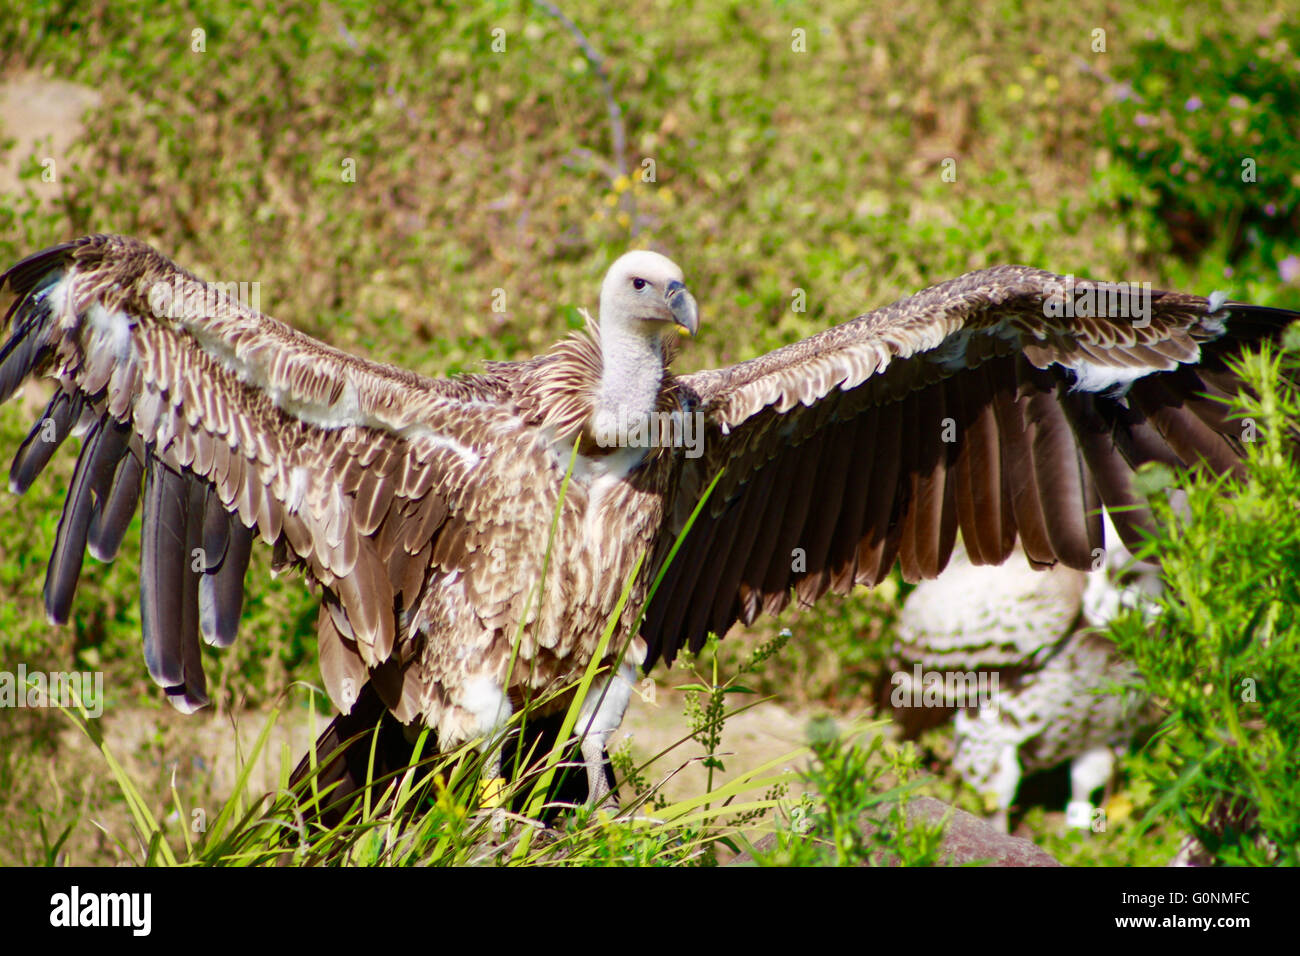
{"x": 202, "y": 757}
{"x": 43, "y": 117}
{"x": 756, "y": 737}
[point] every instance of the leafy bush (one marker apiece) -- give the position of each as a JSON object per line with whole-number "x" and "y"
{"x": 852, "y": 816}
{"x": 1223, "y": 661}
{"x": 1208, "y": 134}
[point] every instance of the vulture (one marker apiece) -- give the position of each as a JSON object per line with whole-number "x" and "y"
{"x": 1064, "y": 692}
{"x": 472, "y": 538}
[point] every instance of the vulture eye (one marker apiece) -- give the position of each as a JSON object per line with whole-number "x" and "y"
{"x": 638, "y": 284}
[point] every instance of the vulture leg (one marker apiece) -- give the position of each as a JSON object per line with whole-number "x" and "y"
{"x": 1089, "y": 772}
{"x": 601, "y": 714}
{"x": 492, "y": 780}
{"x": 593, "y": 757}
{"x": 492, "y": 710}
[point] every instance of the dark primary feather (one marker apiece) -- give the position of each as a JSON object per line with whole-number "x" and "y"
{"x": 24, "y": 350}
{"x": 193, "y": 692}
{"x": 112, "y": 515}
{"x": 104, "y": 447}
{"x": 163, "y": 563}
{"x": 70, "y": 540}
{"x": 43, "y": 440}
{"x": 221, "y": 589}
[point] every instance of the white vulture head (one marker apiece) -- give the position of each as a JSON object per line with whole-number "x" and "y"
{"x": 644, "y": 292}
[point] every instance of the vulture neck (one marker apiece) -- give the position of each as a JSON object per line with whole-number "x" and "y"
{"x": 632, "y": 371}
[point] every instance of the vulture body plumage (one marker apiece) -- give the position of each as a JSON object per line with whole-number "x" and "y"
{"x": 998, "y": 405}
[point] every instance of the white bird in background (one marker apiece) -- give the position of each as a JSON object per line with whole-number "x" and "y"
{"x": 1063, "y": 691}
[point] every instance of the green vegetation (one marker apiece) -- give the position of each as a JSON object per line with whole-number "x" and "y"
{"x": 1190, "y": 130}
{"x": 1223, "y": 662}
{"x": 850, "y": 786}
{"x": 383, "y": 173}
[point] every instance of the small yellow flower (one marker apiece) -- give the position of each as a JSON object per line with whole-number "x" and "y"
{"x": 494, "y": 792}
{"x": 1118, "y": 808}
{"x": 445, "y": 801}
{"x": 622, "y": 184}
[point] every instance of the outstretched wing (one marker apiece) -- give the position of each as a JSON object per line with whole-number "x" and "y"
{"x": 237, "y": 427}
{"x": 1007, "y": 403}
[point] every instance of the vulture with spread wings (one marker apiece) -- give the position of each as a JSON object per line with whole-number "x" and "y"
{"x": 1003, "y": 405}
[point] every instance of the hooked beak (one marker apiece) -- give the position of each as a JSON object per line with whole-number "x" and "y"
{"x": 682, "y": 305}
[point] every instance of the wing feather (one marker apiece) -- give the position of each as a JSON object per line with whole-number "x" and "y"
{"x": 853, "y": 505}
{"x": 44, "y": 440}
{"x": 832, "y": 480}
{"x": 879, "y": 539}
{"x": 162, "y": 569}
{"x": 112, "y": 515}
{"x": 70, "y": 540}
{"x": 790, "y": 545}
{"x": 748, "y": 520}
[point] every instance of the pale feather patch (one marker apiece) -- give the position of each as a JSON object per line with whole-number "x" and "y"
{"x": 346, "y": 411}
{"x": 440, "y": 443}
{"x": 484, "y": 699}
{"x": 606, "y": 702}
{"x": 1090, "y": 377}
{"x": 58, "y": 298}
{"x": 602, "y": 476}
{"x": 615, "y": 466}
{"x": 297, "y": 491}
{"x": 636, "y": 651}
{"x": 110, "y": 330}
